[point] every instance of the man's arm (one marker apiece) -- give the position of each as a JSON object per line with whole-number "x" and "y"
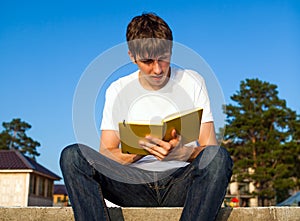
{"x": 109, "y": 147}
{"x": 207, "y": 137}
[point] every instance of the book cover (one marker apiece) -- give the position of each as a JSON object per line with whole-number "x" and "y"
{"x": 186, "y": 123}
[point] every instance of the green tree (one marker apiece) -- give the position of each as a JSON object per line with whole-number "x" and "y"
{"x": 260, "y": 135}
{"x": 14, "y": 137}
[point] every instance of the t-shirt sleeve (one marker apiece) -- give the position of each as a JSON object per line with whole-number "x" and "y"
{"x": 201, "y": 98}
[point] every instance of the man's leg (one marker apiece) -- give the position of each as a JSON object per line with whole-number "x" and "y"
{"x": 201, "y": 186}
{"x": 83, "y": 190}
{"x": 87, "y": 187}
{"x": 212, "y": 173}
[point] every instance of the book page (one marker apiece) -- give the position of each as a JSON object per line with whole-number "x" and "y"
{"x": 187, "y": 125}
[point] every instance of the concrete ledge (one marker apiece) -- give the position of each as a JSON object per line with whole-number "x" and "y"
{"x": 150, "y": 214}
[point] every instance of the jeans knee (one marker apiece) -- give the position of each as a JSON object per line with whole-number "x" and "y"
{"x": 225, "y": 156}
{"x": 215, "y": 160}
{"x": 68, "y": 154}
{"x": 224, "y": 162}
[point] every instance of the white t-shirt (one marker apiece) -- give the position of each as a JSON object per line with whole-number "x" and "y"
{"x": 127, "y": 100}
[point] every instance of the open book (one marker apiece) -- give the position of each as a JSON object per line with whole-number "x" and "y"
{"x": 186, "y": 123}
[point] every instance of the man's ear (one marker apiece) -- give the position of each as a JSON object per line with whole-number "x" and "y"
{"x": 131, "y": 57}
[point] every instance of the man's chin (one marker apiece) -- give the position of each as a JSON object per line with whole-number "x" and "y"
{"x": 158, "y": 83}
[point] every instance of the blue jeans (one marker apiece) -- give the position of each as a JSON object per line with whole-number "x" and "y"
{"x": 200, "y": 190}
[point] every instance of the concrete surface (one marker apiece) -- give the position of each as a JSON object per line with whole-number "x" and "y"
{"x": 150, "y": 214}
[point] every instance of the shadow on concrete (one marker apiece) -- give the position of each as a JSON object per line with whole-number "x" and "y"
{"x": 116, "y": 214}
{"x": 224, "y": 214}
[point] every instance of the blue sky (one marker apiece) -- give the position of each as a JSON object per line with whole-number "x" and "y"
{"x": 45, "y": 46}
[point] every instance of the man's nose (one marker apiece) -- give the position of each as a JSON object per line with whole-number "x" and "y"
{"x": 157, "y": 67}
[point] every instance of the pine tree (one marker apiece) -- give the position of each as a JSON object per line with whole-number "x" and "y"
{"x": 260, "y": 135}
{"x": 14, "y": 137}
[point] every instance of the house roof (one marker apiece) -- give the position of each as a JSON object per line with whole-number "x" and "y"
{"x": 293, "y": 200}
{"x": 14, "y": 160}
{"x": 60, "y": 189}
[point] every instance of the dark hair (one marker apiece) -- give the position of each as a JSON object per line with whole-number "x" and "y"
{"x": 150, "y": 35}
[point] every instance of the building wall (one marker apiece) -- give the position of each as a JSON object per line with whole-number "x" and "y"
{"x": 242, "y": 191}
{"x": 60, "y": 200}
{"x": 17, "y": 189}
{"x": 39, "y": 201}
{"x": 14, "y": 188}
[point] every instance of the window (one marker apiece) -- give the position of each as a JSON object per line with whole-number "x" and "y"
{"x": 41, "y": 186}
{"x": 244, "y": 188}
{"x": 32, "y": 185}
{"x": 50, "y": 189}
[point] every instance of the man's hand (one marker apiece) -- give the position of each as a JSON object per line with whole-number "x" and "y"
{"x": 162, "y": 150}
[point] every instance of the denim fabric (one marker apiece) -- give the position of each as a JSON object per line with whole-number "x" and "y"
{"x": 199, "y": 187}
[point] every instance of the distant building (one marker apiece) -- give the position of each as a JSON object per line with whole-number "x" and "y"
{"x": 239, "y": 194}
{"x": 24, "y": 182}
{"x": 60, "y": 196}
{"x": 242, "y": 191}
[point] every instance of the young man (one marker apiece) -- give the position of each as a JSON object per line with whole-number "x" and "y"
{"x": 193, "y": 176}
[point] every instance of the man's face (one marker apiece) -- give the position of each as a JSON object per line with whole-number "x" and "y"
{"x": 154, "y": 71}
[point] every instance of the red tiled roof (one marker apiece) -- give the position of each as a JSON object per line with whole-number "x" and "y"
{"x": 13, "y": 159}
{"x": 10, "y": 159}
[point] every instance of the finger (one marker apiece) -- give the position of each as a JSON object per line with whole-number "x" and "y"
{"x": 155, "y": 153}
{"x": 147, "y": 144}
{"x": 174, "y": 133}
{"x": 153, "y": 149}
{"x": 161, "y": 150}
{"x": 175, "y": 142}
{"x": 158, "y": 142}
